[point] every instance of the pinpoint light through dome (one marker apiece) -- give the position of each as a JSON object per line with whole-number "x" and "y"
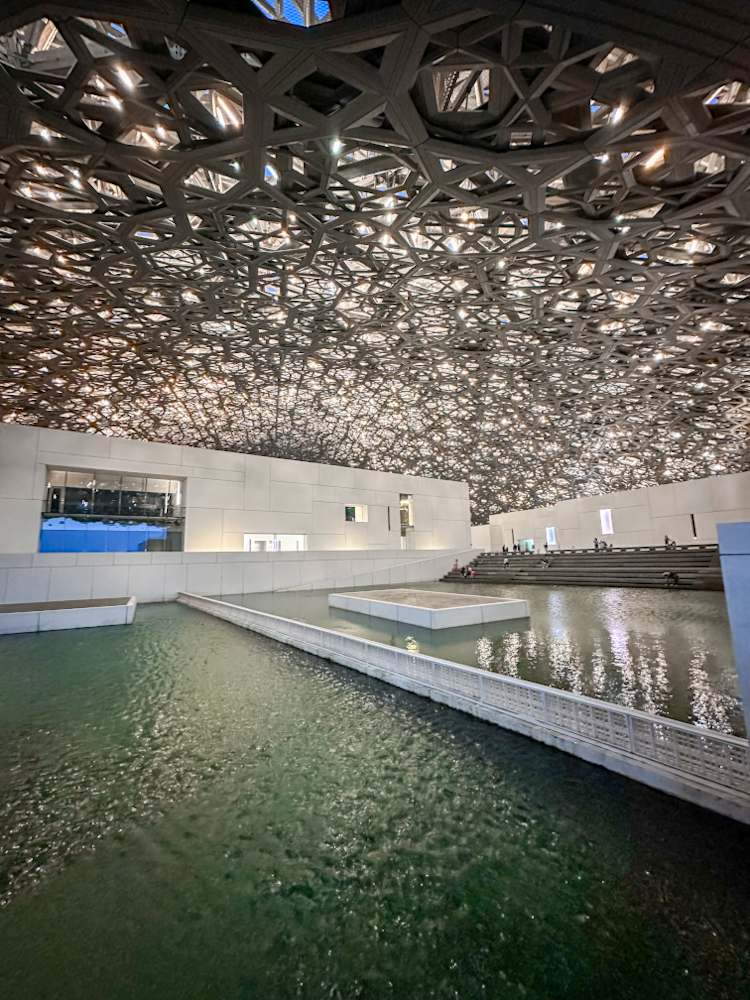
{"x": 528, "y": 255}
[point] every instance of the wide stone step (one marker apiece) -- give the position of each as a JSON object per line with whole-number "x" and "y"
{"x": 696, "y": 568}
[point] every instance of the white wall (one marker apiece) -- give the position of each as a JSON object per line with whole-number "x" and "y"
{"x": 228, "y": 495}
{"x": 481, "y": 537}
{"x": 639, "y": 517}
{"x": 159, "y": 576}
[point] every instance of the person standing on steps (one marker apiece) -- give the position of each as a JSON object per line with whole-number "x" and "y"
{"x": 596, "y": 544}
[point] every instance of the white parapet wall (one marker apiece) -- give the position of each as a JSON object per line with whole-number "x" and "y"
{"x": 159, "y": 576}
{"x": 707, "y": 768}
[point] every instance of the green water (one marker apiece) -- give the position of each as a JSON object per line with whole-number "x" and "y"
{"x": 663, "y": 652}
{"x": 189, "y": 810}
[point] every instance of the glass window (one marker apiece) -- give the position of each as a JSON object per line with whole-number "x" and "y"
{"x": 605, "y": 517}
{"x": 275, "y": 543}
{"x": 65, "y": 534}
{"x": 406, "y": 507}
{"x": 107, "y": 494}
{"x": 357, "y": 512}
{"x": 157, "y": 485}
{"x": 79, "y": 480}
{"x": 550, "y": 533}
{"x": 55, "y": 490}
{"x": 78, "y": 495}
{"x": 110, "y": 494}
{"x": 133, "y": 484}
{"x": 106, "y": 481}
{"x": 108, "y": 512}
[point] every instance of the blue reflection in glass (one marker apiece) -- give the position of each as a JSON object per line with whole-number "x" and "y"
{"x": 64, "y": 534}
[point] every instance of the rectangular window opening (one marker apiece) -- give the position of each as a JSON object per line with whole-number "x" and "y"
{"x": 550, "y": 533}
{"x": 406, "y": 511}
{"x": 89, "y": 511}
{"x": 605, "y": 518}
{"x": 274, "y": 543}
{"x": 356, "y": 512}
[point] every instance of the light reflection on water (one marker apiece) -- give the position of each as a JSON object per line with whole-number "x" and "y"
{"x": 190, "y": 810}
{"x": 663, "y": 652}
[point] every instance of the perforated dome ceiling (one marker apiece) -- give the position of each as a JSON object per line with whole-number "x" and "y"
{"x": 431, "y": 237}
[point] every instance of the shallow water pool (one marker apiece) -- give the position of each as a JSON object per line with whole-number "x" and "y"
{"x": 664, "y": 652}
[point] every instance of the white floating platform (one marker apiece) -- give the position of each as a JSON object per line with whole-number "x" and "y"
{"x": 50, "y": 616}
{"x": 431, "y": 608}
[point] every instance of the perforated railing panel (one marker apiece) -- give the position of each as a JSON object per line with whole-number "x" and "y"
{"x": 685, "y": 749}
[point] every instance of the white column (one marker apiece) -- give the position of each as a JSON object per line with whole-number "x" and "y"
{"x": 734, "y": 546}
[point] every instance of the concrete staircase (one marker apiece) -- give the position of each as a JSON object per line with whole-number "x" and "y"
{"x": 697, "y": 568}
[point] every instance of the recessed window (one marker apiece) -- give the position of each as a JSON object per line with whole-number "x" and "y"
{"x": 108, "y": 512}
{"x": 605, "y": 517}
{"x": 275, "y": 543}
{"x": 550, "y": 533}
{"x": 356, "y": 512}
{"x": 406, "y": 510}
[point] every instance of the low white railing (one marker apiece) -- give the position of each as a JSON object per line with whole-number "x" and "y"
{"x": 684, "y": 749}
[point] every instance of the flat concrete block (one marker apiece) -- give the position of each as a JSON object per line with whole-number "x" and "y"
{"x": 50, "y": 616}
{"x": 19, "y": 621}
{"x": 431, "y": 609}
{"x": 51, "y": 621}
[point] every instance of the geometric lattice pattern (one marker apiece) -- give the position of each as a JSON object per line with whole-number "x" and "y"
{"x": 418, "y": 237}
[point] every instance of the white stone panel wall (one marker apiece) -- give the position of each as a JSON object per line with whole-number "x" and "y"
{"x": 228, "y": 495}
{"x": 159, "y": 576}
{"x": 639, "y": 517}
